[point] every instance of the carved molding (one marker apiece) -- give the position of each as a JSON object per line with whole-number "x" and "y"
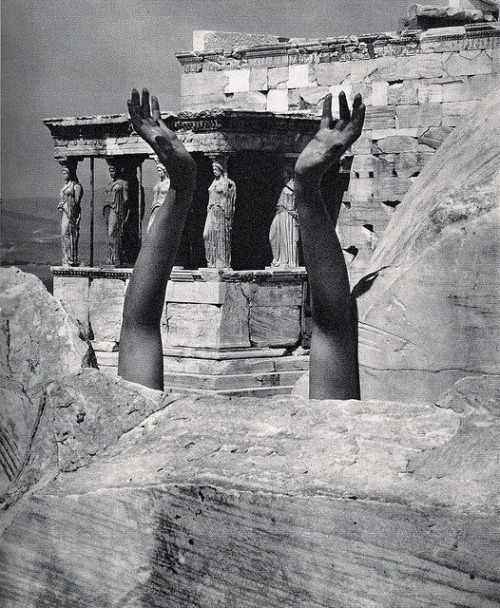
{"x": 210, "y": 131}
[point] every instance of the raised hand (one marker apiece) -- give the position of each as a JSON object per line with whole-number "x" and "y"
{"x": 332, "y": 139}
{"x": 147, "y": 122}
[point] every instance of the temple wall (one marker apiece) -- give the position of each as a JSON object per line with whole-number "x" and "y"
{"x": 417, "y": 87}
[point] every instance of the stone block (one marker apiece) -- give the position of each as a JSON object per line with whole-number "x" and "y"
{"x": 201, "y": 325}
{"x": 277, "y": 78}
{"x": 454, "y": 112}
{"x": 455, "y": 91}
{"x": 391, "y": 188}
{"x": 275, "y": 295}
{"x": 206, "y": 326}
{"x": 298, "y": 77}
{"x": 364, "y": 144}
{"x": 480, "y": 86}
{"x": 238, "y": 81}
{"x": 73, "y": 294}
{"x": 252, "y": 100}
{"x": 391, "y": 69}
{"x": 408, "y": 164}
{"x": 258, "y": 79}
{"x": 435, "y": 136}
{"x": 328, "y": 74}
{"x": 310, "y": 98}
{"x": 468, "y": 63}
{"x": 405, "y": 92}
{"x": 196, "y": 103}
{"x": 380, "y": 93}
{"x": 383, "y": 133}
{"x": 422, "y": 116}
{"x": 380, "y": 117}
{"x": 270, "y": 326}
{"x": 277, "y": 100}
{"x": 367, "y": 70}
{"x": 361, "y": 189}
{"x": 197, "y": 292}
{"x": 494, "y": 53}
{"x": 203, "y": 83}
{"x": 395, "y": 144}
{"x": 106, "y": 307}
{"x": 429, "y": 93}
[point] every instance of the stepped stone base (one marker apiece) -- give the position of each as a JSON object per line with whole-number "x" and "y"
{"x": 243, "y": 373}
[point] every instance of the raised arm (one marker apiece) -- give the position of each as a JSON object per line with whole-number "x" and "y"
{"x": 333, "y": 370}
{"x": 141, "y": 357}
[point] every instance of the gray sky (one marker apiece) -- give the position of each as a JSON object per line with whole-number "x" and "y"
{"x": 82, "y": 57}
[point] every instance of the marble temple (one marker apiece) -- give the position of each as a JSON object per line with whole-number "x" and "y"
{"x": 237, "y": 314}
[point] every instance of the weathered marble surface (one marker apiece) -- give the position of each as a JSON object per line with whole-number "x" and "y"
{"x": 38, "y": 339}
{"x": 432, "y": 315}
{"x": 38, "y": 342}
{"x": 246, "y": 502}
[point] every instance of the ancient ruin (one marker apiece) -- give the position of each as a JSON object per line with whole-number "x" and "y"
{"x": 118, "y": 495}
{"x": 233, "y": 305}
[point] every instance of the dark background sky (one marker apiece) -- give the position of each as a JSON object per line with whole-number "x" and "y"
{"x": 82, "y": 57}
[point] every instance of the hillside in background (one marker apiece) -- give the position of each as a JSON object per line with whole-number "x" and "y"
{"x": 30, "y": 228}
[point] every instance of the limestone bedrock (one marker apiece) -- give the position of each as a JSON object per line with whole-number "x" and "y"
{"x": 432, "y": 316}
{"x": 252, "y": 502}
{"x": 38, "y": 342}
{"x": 125, "y": 497}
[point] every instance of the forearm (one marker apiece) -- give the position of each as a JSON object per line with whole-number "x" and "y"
{"x": 324, "y": 258}
{"x": 145, "y": 295}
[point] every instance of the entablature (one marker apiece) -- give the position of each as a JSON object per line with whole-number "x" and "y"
{"x": 206, "y": 131}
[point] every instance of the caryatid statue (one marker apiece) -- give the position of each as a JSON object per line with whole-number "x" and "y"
{"x": 284, "y": 231}
{"x": 220, "y": 212}
{"x": 160, "y": 190}
{"x": 70, "y": 197}
{"x": 116, "y": 212}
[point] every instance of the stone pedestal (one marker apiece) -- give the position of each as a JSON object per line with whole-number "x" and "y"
{"x": 226, "y": 331}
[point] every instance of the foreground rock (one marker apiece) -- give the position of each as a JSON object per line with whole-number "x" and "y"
{"x": 256, "y": 502}
{"x": 432, "y": 314}
{"x": 38, "y": 342}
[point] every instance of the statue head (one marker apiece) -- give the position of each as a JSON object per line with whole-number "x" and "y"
{"x": 66, "y": 174}
{"x": 218, "y": 169}
{"x": 162, "y": 170}
{"x": 114, "y": 171}
{"x": 68, "y": 169}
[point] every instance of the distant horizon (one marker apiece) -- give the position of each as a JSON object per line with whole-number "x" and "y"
{"x": 59, "y": 62}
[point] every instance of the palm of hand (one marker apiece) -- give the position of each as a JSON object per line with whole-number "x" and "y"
{"x": 147, "y": 121}
{"x": 332, "y": 140}
{"x": 148, "y": 124}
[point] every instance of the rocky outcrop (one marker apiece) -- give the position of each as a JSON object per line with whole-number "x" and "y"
{"x": 38, "y": 342}
{"x": 255, "y": 502}
{"x": 432, "y": 314}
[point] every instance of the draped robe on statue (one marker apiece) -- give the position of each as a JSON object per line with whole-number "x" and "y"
{"x": 69, "y": 204}
{"x": 219, "y": 222}
{"x": 116, "y": 214}
{"x": 284, "y": 231}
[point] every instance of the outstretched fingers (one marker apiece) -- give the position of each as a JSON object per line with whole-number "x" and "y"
{"x": 155, "y": 108}
{"x": 326, "y": 118}
{"x": 134, "y": 104}
{"x": 358, "y": 114}
{"x": 145, "y": 109}
{"x": 344, "y": 112}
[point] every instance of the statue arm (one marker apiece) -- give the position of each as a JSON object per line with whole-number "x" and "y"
{"x": 333, "y": 362}
{"x": 141, "y": 354}
{"x": 78, "y": 193}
